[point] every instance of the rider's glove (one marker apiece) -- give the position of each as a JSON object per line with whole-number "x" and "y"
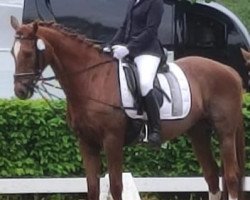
{"x": 107, "y": 49}
{"x": 120, "y": 51}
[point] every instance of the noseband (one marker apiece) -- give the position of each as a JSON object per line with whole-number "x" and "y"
{"x": 38, "y": 61}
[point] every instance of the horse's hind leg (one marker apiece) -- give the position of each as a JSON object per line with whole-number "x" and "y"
{"x": 229, "y": 159}
{"x": 201, "y": 142}
{"x": 228, "y": 123}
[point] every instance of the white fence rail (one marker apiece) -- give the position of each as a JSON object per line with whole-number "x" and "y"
{"x": 78, "y": 185}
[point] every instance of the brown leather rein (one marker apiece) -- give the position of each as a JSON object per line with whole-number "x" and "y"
{"x": 37, "y": 74}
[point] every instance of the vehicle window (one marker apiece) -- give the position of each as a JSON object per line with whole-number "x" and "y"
{"x": 166, "y": 29}
{"x": 204, "y": 32}
{"x": 29, "y": 11}
{"x": 97, "y": 19}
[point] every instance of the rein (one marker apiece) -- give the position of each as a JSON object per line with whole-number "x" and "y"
{"x": 38, "y": 72}
{"x": 38, "y": 62}
{"x": 43, "y": 89}
{"x": 80, "y": 71}
{"x": 37, "y": 75}
{"x": 38, "y": 89}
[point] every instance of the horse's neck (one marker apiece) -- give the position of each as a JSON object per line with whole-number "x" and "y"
{"x": 69, "y": 51}
{"x": 69, "y": 55}
{"x": 71, "y": 60}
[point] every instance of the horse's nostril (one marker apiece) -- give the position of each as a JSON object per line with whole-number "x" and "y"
{"x": 21, "y": 94}
{"x": 20, "y": 91}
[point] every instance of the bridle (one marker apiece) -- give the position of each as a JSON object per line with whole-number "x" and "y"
{"x": 40, "y": 64}
{"x": 39, "y": 61}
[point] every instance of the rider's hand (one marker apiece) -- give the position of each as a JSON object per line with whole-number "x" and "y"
{"x": 120, "y": 51}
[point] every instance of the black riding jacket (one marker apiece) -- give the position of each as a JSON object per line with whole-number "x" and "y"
{"x": 139, "y": 31}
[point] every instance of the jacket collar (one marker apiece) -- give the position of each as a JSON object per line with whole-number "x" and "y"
{"x": 139, "y": 3}
{"x": 132, "y": 4}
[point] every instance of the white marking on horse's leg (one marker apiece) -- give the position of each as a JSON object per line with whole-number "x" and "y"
{"x": 215, "y": 196}
{"x": 230, "y": 198}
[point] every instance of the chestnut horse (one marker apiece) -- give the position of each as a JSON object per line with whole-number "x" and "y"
{"x": 90, "y": 82}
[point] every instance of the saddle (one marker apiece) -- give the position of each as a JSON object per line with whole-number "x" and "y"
{"x": 170, "y": 86}
{"x": 132, "y": 78}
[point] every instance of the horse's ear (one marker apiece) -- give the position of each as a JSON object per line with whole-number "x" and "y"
{"x": 246, "y": 54}
{"x": 14, "y": 22}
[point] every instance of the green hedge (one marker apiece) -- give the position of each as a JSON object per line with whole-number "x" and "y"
{"x": 36, "y": 142}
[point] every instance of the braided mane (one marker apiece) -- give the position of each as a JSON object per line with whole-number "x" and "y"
{"x": 69, "y": 32}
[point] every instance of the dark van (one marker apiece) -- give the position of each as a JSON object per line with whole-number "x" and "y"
{"x": 205, "y": 29}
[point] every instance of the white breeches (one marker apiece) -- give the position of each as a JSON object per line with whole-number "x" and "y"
{"x": 147, "y": 66}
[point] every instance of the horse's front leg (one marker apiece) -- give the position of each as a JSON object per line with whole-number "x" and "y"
{"x": 113, "y": 148}
{"x": 91, "y": 159}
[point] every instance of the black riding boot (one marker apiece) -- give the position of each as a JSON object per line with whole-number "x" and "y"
{"x": 153, "y": 114}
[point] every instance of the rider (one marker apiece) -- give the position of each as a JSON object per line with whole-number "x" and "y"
{"x": 137, "y": 38}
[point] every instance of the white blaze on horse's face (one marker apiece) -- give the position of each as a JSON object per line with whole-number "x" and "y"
{"x": 16, "y": 48}
{"x": 40, "y": 44}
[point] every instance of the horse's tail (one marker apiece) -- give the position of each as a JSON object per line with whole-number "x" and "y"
{"x": 240, "y": 154}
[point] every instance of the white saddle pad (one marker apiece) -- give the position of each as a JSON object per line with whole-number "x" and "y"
{"x": 175, "y": 85}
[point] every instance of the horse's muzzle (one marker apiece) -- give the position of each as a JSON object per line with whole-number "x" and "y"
{"x": 23, "y": 91}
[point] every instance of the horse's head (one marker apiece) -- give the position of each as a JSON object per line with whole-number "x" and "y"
{"x": 246, "y": 56}
{"x": 31, "y": 56}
